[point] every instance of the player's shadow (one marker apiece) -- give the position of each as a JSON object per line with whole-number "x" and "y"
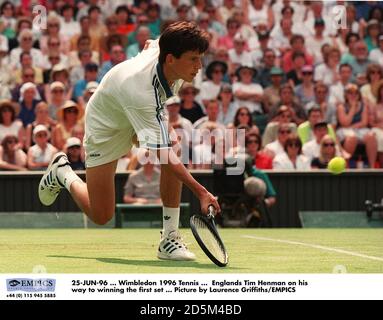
{"x": 151, "y": 263}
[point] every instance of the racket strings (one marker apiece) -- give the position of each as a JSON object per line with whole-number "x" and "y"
{"x": 210, "y": 240}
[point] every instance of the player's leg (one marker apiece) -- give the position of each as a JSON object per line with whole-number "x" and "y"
{"x": 96, "y": 197}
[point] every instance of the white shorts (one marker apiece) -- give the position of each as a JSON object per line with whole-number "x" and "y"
{"x": 379, "y": 138}
{"x": 109, "y": 135}
{"x": 343, "y": 133}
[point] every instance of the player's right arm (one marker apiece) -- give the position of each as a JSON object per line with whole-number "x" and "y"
{"x": 170, "y": 159}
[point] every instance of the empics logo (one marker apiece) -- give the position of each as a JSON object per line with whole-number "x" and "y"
{"x": 339, "y": 17}
{"x": 31, "y": 285}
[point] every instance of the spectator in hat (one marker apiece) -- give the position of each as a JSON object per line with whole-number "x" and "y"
{"x": 353, "y": 124}
{"x": 246, "y": 92}
{"x": 183, "y": 127}
{"x": 12, "y": 157}
{"x": 305, "y": 90}
{"x": 322, "y": 101}
{"x": 69, "y": 116}
{"x": 90, "y": 89}
{"x": 29, "y": 98}
{"x": 27, "y": 75}
{"x": 210, "y": 88}
{"x": 42, "y": 117}
{"x": 227, "y": 106}
{"x": 190, "y": 108}
{"x": 271, "y": 93}
{"x": 40, "y": 154}
{"x": 60, "y": 73}
{"x": 327, "y": 151}
{"x": 73, "y": 151}
{"x": 317, "y": 40}
{"x": 57, "y": 94}
{"x": 372, "y": 34}
{"x": 91, "y": 74}
{"x": 292, "y": 158}
{"x": 9, "y": 123}
{"x": 238, "y": 54}
{"x": 376, "y": 55}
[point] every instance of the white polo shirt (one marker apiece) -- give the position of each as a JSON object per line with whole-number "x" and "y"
{"x": 129, "y": 100}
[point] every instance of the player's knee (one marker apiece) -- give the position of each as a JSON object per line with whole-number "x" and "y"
{"x": 101, "y": 217}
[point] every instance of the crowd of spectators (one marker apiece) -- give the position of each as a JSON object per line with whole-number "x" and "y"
{"x": 303, "y": 89}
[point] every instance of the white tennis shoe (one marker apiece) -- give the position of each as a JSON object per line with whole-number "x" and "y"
{"x": 172, "y": 247}
{"x": 50, "y": 186}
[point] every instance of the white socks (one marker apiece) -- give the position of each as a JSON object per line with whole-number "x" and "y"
{"x": 171, "y": 218}
{"x": 67, "y": 176}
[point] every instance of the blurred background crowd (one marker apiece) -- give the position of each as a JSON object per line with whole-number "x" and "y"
{"x": 303, "y": 87}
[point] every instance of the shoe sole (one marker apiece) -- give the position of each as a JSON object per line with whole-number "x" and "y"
{"x": 163, "y": 256}
{"x": 53, "y": 161}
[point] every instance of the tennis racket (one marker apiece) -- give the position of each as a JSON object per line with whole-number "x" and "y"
{"x": 206, "y": 234}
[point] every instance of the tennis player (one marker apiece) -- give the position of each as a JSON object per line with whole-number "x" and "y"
{"x": 129, "y": 105}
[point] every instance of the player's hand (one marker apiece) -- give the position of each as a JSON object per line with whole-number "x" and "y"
{"x": 208, "y": 199}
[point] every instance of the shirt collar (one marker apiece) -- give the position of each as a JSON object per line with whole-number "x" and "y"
{"x": 163, "y": 81}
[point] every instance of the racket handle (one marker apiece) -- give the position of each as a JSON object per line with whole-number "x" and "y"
{"x": 211, "y": 211}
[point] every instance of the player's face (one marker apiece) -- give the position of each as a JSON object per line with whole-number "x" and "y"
{"x": 187, "y": 66}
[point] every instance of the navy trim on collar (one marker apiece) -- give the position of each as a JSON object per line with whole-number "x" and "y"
{"x": 163, "y": 81}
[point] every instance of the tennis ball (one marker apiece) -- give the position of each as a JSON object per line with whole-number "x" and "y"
{"x": 336, "y": 165}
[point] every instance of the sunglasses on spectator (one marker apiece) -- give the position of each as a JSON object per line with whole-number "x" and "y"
{"x": 375, "y": 72}
{"x": 284, "y": 131}
{"x": 253, "y": 141}
{"x": 293, "y": 145}
{"x": 28, "y": 75}
{"x": 352, "y": 92}
{"x": 27, "y": 39}
{"x": 57, "y": 91}
{"x": 329, "y": 144}
{"x": 13, "y": 141}
{"x": 71, "y": 110}
{"x": 244, "y": 114}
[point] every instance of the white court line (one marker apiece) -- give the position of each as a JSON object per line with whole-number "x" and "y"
{"x": 315, "y": 246}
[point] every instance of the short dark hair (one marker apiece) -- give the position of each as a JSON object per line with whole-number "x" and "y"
{"x": 93, "y": 8}
{"x": 7, "y": 105}
{"x": 253, "y": 135}
{"x": 345, "y": 65}
{"x": 180, "y": 37}
{"x": 296, "y": 37}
